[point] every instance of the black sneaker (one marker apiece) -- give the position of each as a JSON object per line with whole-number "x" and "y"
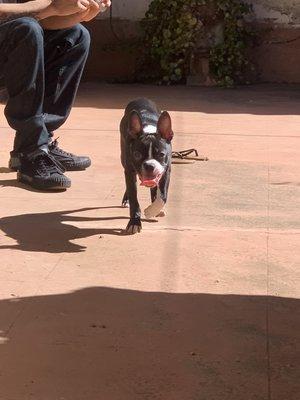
{"x": 15, "y": 161}
{"x": 41, "y": 171}
{"x": 68, "y": 160}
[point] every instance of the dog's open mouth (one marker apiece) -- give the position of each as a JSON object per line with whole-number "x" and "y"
{"x": 150, "y": 182}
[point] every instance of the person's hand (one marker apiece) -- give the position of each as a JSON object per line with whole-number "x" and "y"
{"x": 95, "y": 8}
{"x": 92, "y": 11}
{"x": 68, "y": 7}
{"x": 106, "y": 3}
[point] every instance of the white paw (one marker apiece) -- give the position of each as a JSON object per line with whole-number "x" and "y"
{"x": 161, "y": 214}
{"x": 154, "y": 209}
{"x": 125, "y": 204}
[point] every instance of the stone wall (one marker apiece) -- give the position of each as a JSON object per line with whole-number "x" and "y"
{"x": 129, "y": 9}
{"x": 277, "y": 55}
{"x": 279, "y": 12}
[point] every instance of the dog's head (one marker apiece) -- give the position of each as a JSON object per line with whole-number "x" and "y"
{"x": 150, "y": 147}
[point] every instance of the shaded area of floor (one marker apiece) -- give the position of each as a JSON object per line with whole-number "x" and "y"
{"x": 257, "y": 99}
{"x": 119, "y": 344}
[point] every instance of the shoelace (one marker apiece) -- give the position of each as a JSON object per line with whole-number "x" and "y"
{"x": 45, "y": 163}
{"x": 54, "y": 145}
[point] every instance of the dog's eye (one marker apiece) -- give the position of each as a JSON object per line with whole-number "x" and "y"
{"x": 137, "y": 155}
{"x": 159, "y": 154}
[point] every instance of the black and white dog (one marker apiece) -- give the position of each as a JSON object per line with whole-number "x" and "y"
{"x": 146, "y": 151}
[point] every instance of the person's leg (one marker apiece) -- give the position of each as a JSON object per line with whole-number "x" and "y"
{"x": 66, "y": 51}
{"x": 22, "y": 67}
{"x": 65, "y": 54}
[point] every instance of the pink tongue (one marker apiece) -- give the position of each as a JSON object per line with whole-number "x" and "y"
{"x": 149, "y": 183}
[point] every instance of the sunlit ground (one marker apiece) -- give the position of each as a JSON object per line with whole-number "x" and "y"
{"x": 203, "y": 304}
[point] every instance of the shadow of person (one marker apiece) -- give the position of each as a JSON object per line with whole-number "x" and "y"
{"x": 5, "y": 170}
{"x": 53, "y": 232}
{"x": 17, "y": 184}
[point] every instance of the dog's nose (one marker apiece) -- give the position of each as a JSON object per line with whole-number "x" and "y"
{"x": 149, "y": 167}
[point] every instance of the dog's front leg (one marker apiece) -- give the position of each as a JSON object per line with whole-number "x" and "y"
{"x": 164, "y": 185}
{"x": 134, "y": 224}
{"x": 163, "y": 190}
{"x": 159, "y": 197}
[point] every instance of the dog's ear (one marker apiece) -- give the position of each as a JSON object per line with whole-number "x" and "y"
{"x": 164, "y": 126}
{"x": 135, "y": 124}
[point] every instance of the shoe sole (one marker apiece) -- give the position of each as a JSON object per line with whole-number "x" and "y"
{"x": 76, "y": 167}
{"x": 27, "y": 180}
{"x": 14, "y": 165}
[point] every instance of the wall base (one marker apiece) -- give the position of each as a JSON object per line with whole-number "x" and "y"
{"x": 110, "y": 57}
{"x": 276, "y": 55}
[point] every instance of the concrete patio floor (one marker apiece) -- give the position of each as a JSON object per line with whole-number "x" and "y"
{"x": 203, "y": 304}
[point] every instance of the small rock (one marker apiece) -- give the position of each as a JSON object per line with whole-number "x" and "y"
{"x": 98, "y": 326}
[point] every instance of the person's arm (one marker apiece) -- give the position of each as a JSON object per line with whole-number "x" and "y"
{"x": 37, "y": 9}
{"x": 41, "y": 9}
{"x": 61, "y": 22}
{"x": 70, "y": 20}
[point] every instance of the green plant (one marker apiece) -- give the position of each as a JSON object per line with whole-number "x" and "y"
{"x": 171, "y": 29}
{"x": 228, "y": 60}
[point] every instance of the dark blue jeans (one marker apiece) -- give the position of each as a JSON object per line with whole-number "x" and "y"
{"x": 41, "y": 72}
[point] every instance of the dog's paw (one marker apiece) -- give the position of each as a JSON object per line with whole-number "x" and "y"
{"x": 154, "y": 209}
{"x": 125, "y": 203}
{"x": 134, "y": 226}
{"x": 161, "y": 214}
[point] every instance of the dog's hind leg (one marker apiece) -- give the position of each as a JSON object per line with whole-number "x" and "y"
{"x": 125, "y": 201}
